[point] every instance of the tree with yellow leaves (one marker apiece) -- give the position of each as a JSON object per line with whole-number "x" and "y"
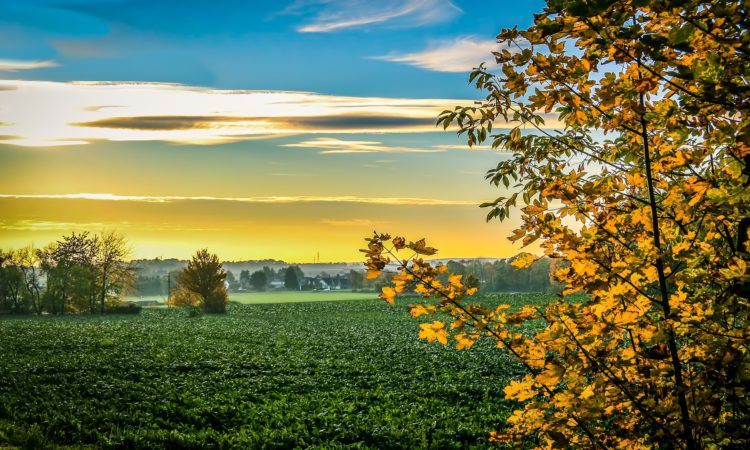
{"x": 202, "y": 283}
{"x": 629, "y": 131}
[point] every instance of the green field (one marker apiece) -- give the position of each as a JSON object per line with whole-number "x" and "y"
{"x": 282, "y": 296}
{"x": 285, "y": 375}
{"x": 295, "y": 297}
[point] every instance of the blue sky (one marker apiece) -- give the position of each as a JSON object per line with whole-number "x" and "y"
{"x": 163, "y": 118}
{"x": 250, "y": 44}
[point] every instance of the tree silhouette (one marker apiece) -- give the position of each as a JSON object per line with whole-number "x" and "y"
{"x": 258, "y": 280}
{"x": 204, "y": 276}
{"x": 291, "y": 281}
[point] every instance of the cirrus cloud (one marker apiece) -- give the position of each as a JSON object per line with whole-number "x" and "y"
{"x": 14, "y": 65}
{"x": 336, "y": 15}
{"x": 459, "y": 55}
{"x": 329, "y": 146}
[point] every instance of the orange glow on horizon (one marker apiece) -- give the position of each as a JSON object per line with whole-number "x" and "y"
{"x": 293, "y": 232}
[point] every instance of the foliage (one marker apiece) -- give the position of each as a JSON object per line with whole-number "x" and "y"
{"x": 201, "y": 283}
{"x": 231, "y": 281}
{"x": 640, "y": 191}
{"x": 11, "y": 283}
{"x": 245, "y": 279}
{"x": 27, "y": 260}
{"x": 291, "y": 279}
{"x": 181, "y": 296}
{"x": 258, "y": 280}
{"x": 79, "y": 273}
{"x": 503, "y": 276}
{"x": 149, "y": 284}
{"x": 71, "y": 274}
{"x": 115, "y": 276}
{"x": 295, "y": 375}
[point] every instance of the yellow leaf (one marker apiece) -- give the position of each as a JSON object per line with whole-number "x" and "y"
{"x": 550, "y": 376}
{"x": 455, "y": 280}
{"x": 588, "y": 392}
{"x": 626, "y": 317}
{"x": 583, "y": 267}
{"x": 432, "y": 332}
{"x": 418, "y": 310}
{"x": 464, "y": 341}
{"x": 524, "y": 260}
{"x": 520, "y": 390}
{"x": 421, "y": 248}
{"x": 388, "y": 294}
{"x": 735, "y": 269}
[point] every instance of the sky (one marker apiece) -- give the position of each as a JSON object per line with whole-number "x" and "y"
{"x": 275, "y": 129}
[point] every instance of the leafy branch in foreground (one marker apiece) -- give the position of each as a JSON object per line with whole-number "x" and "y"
{"x": 629, "y": 137}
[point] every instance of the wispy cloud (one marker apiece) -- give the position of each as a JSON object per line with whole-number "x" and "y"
{"x": 348, "y": 222}
{"x": 335, "y": 15}
{"x": 47, "y": 225}
{"x": 52, "y": 225}
{"x": 45, "y": 113}
{"x": 473, "y": 148}
{"x": 328, "y": 146}
{"x": 13, "y": 65}
{"x": 414, "y": 201}
{"x": 459, "y": 55}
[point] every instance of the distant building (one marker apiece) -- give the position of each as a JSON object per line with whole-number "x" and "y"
{"x": 325, "y": 282}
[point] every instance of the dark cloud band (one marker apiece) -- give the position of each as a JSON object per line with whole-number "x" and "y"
{"x": 311, "y": 123}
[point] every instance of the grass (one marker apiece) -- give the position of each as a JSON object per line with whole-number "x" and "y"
{"x": 284, "y": 297}
{"x": 295, "y": 297}
{"x": 284, "y": 375}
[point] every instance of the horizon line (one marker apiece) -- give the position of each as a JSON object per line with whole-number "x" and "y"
{"x": 412, "y": 201}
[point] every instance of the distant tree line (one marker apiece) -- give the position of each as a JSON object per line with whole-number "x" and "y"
{"x": 487, "y": 276}
{"x": 88, "y": 273}
{"x": 491, "y": 276}
{"x": 81, "y": 273}
{"x": 502, "y": 276}
{"x": 291, "y": 278}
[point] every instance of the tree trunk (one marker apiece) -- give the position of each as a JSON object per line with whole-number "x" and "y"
{"x": 664, "y": 291}
{"x": 103, "y": 294}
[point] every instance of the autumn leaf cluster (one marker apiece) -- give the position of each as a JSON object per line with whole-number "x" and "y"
{"x": 629, "y": 138}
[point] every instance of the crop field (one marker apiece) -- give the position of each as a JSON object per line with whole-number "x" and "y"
{"x": 295, "y": 297}
{"x": 283, "y": 296}
{"x": 285, "y": 375}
